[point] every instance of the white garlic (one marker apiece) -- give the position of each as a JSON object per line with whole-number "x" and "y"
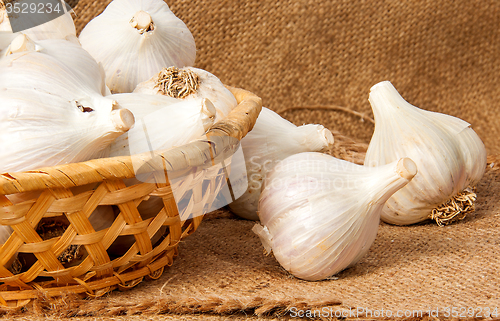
{"x": 58, "y": 28}
{"x": 49, "y": 115}
{"x": 272, "y": 139}
{"x": 450, "y": 156}
{"x": 68, "y": 52}
{"x": 320, "y": 214}
{"x": 134, "y": 40}
{"x": 190, "y": 83}
{"x": 161, "y": 122}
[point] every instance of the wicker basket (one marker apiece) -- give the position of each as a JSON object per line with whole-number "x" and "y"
{"x": 55, "y": 196}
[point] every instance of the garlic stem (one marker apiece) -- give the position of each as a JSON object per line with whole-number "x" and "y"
{"x": 406, "y": 168}
{"x": 450, "y": 157}
{"x": 142, "y": 21}
{"x": 320, "y": 215}
{"x": 208, "y": 109}
{"x": 19, "y": 44}
{"x": 123, "y": 119}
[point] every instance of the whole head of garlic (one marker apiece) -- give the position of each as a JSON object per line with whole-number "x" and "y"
{"x": 52, "y": 115}
{"x": 450, "y": 156}
{"x": 68, "y": 52}
{"x": 190, "y": 83}
{"x": 272, "y": 139}
{"x": 134, "y": 40}
{"x": 320, "y": 214}
{"x": 161, "y": 122}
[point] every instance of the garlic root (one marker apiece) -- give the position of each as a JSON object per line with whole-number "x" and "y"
{"x": 177, "y": 83}
{"x": 455, "y": 209}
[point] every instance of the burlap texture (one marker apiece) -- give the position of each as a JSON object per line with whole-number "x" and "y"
{"x": 441, "y": 56}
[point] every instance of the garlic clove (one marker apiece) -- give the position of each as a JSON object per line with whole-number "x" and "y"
{"x": 272, "y": 139}
{"x": 320, "y": 214}
{"x": 450, "y": 156}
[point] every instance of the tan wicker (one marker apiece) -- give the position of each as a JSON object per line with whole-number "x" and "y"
{"x": 54, "y": 196}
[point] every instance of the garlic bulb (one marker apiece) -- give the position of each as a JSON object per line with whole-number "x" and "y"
{"x": 58, "y": 28}
{"x": 272, "y": 139}
{"x": 134, "y": 40}
{"x": 190, "y": 83}
{"x": 68, "y": 52}
{"x": 450, "y": 156}
{"x": 320, "y": 214}
{"x": 161, "y": 122}
{"x": 49, "y": 115}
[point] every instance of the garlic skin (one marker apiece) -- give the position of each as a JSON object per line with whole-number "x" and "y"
{"x": 450, "y": 156}
{"x": 321, "y": 214}
{"x": 58, "y": 28}
{"x": 168, "y": 122}
{"x": 67, "y": 51}
{"x": 135, "y": 39}
{"x": 50, "y": 116}
{"x": 190, "y": 83}
{"x": 271, "y": 140}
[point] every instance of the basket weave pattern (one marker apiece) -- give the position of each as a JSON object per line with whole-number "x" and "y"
{"x": 54, "y": 196}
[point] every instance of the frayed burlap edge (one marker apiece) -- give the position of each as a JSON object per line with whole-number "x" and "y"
{"x": 71, "y": 305}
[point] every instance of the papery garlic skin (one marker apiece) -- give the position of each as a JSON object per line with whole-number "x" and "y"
{"x": 320, "y": 214}
{"x": 50, "y": 116}
{"x": 133, "y": 51}
{"x": 450, "y": 156}
{"x": 67, "y": 51}
{"x": 206, "y": 86}
{"x": 272, "y": 139}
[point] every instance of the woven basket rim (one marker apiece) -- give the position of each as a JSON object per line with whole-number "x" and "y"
{"x": 196, "y": 153}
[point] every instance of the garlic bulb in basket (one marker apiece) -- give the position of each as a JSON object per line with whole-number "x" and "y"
{"x": 166, "y": 121}
{"x": 68, "y": 52}
{"x": 272, "y": 139}
{"x": 135, "y": 39}
{"x": 190, "y": 83}
{"x": 49, "y": 115}
{"x": 321, "y": 214}
{"x": 58, "y": 28}
{"x": 450, "y": 156}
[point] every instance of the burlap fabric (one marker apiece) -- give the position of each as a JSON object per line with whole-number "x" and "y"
{"x": 322, "y": 55}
